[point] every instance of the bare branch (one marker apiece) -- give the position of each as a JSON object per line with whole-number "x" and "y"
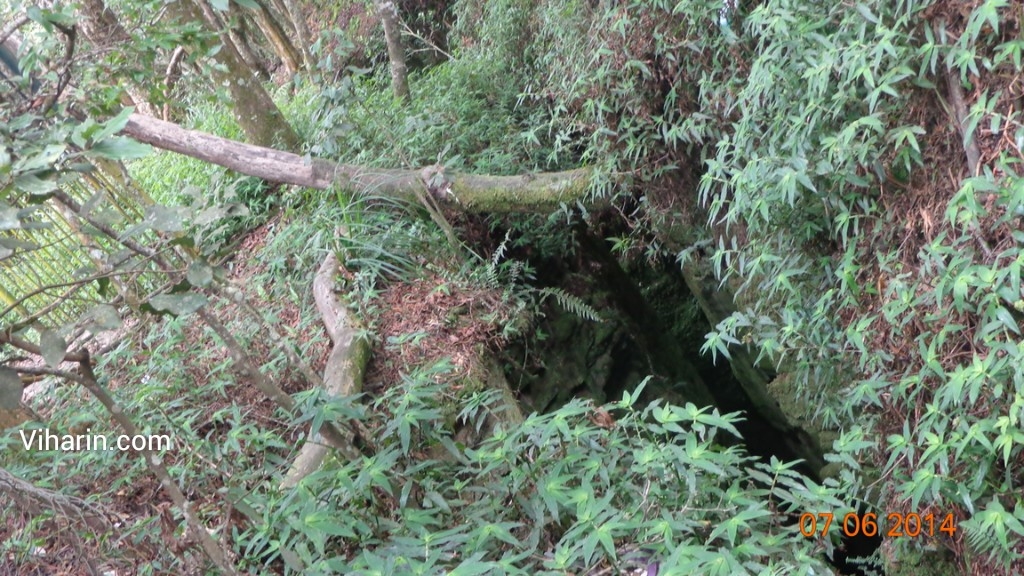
{"x": 12, "y": 27}
{"x": 539, "y": 192}
{"x": 64, "y": 77}
{"x": 8, "y": 337}
{"x": 430, "y": 45}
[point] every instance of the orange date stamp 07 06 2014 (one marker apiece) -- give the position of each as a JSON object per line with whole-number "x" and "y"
{"x": 899, "y": 525}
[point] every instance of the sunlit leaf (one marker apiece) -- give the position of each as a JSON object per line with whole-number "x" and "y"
{"x": 10, "y": 389}
{"x": 53, "y": 347}
{"x": 120, "y": 148}
{"x": 179, "y": 304}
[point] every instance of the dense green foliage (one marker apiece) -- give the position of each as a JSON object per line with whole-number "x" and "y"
{"x": 487, "y": 510}
{"x": 802, "y": 123}
{"x": 827, "y": 136}
{"x": 810, "y": 154}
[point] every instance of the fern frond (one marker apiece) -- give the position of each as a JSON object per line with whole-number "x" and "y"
{"x": 572, "y": 304}
{"x": 499, "y": 252}
{"x": 988, "y": 537}
{"x": 491, "y": 276}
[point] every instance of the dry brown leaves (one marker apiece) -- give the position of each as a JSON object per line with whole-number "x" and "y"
{"x": 427, "y": 319}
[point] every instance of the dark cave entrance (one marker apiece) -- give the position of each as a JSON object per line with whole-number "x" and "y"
{"x": 654, "y": 326}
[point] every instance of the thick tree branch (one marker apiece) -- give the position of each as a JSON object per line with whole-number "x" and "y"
{"x": 12, "y": 27}
{"x": 343, "y": 375}
{"x": 528, "y": 193}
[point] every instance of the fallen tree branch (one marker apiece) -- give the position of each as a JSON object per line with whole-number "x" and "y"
{"x": 35, "y": 500}
{"x": 471, "y": 193}
{"x": 343, "y": 375}
{"x": 12, "y": 27}
{"x": 241, "y": 359}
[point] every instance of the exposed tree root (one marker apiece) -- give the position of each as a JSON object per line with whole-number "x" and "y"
{"x": 343, "y": 375}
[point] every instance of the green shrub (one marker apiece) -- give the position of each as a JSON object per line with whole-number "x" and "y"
{"x": 565, "y": 491}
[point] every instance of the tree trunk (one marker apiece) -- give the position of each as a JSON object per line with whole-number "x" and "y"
{"x": 464, "y": 192}
{"x": 254, "y": 110}
{"x": 396, "y": 51}
{"x": 234, "y": 36}
{"x": 302, "y": 34}
{"x": 101, "y": 26}
{"x": 275, "y": 34}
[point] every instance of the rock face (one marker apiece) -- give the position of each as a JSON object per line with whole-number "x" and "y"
{"x": 652, "y": 325}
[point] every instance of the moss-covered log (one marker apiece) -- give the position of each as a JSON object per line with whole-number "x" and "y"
{"x": 472, "y": 193}
{"x": 343, "y": 375}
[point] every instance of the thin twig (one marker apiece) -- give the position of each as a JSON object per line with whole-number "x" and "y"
{"x": 409, "y": 32}
{"x": 64, "y": 78}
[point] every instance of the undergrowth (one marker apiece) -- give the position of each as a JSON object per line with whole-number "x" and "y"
{"x": 562, "y": 491}
{"x": 582, "y": 486}
{"x": 461, "y": 115}
{"x": 222, "y": 204}
{"x": 780, "y": 143}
